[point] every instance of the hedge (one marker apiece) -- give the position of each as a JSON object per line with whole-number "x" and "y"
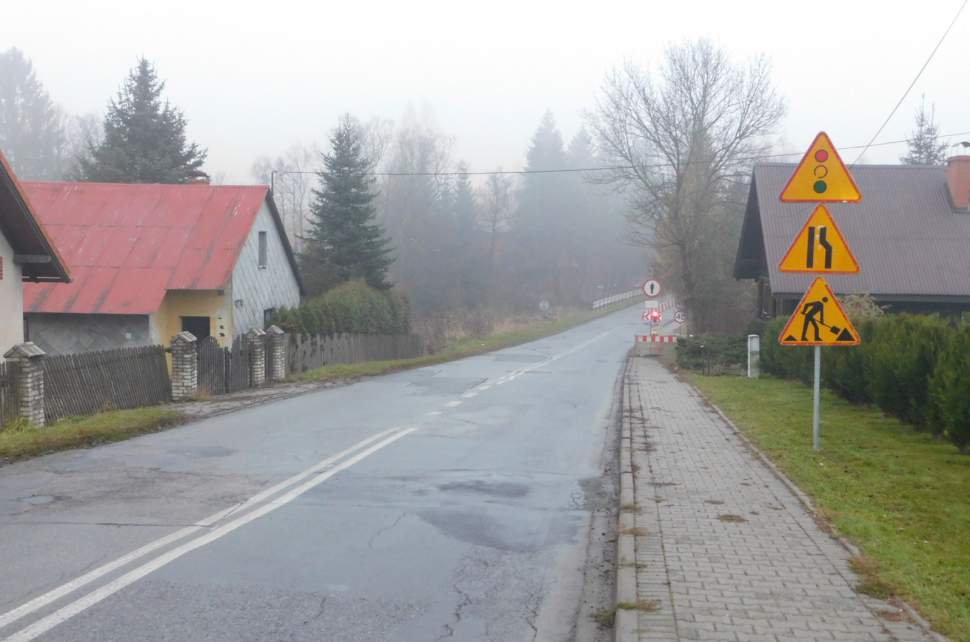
{"x": 352, "y": 307}
{"x": 712, "y": 354}
{"x": 914, "y": 367}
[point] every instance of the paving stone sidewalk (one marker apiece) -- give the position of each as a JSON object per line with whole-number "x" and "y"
{"x": 724, "y": 550}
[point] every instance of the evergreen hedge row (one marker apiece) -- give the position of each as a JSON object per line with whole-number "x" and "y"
{"x": 914, "y": 367}
{"x": 352, "y": 307}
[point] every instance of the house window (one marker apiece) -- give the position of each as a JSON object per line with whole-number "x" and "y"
{"x": 262, "y": 250}
{"x": 268, "y": 317}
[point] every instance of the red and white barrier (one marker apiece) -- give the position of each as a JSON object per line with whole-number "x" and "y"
{"x": 656, "y": 338}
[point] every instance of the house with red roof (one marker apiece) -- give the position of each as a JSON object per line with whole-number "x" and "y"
{"x": 26, "y": 254}
{"x": 148, "y": 261}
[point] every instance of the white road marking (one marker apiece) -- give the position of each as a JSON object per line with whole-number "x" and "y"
{"x": 53, "y": 595}
{"x": 65, "y": 613}
{"x": 484, "y": 387}
{"x": 453, "y": 404}
{"x": 469, "y": 395}
{"x": 433, "y": 413}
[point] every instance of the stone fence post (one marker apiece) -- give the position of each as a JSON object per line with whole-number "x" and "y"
{"x": 29, "y": 360}
{"x": 185, "y": 367}
{"x": 276, "y": 353}
{"x": 256, "y": 344}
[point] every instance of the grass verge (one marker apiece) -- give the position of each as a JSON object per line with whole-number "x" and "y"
{"x": 901, "y": 496}
{"x": 460, "y": 349}
{"x": 20, "y": 440}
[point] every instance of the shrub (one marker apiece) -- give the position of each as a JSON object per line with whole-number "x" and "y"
{"x": 949, "y": 390}
{"x": 352, "y": 307}
{"x": 713, "y": 354}
{"x": 784, "y": 361}
{"x": 903, "y": 354}
{"x": 846, "y": 370}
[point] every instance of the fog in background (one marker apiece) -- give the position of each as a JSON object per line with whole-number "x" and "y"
{"x": 255, "y": 78}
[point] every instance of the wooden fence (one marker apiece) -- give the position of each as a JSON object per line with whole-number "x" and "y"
{"x": 306, "y": 352}
{"x": 8, "y": 394}
{"x": 89, "y": 382}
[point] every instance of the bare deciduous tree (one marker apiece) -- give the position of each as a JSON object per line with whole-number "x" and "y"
{"x": 496, "y": 199}
{"x": 679, "y": 137}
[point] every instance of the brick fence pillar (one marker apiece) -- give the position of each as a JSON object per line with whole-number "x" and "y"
{"x": 185, "y": 367}
{"x": 256, "y": 342}
{"x": 29, "y": 360}
{"x": 276, "y": 353}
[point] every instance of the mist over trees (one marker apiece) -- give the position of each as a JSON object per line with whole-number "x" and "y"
{"x": 144, "y": 138}
{"x": 344, "y": 241}
{"x": 925, "y": 147}
{"x": 683, "y": 138}
{"x": 32, "y": 133}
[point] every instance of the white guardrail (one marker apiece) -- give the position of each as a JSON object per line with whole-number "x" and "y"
{"x": 616, "y": 298}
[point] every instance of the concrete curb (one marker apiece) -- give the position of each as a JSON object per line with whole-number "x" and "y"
{"x": 809, "y": 505}
{"x": 625, "y": 622}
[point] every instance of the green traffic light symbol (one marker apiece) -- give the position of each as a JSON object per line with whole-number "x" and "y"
{"x": 820, "y": 172}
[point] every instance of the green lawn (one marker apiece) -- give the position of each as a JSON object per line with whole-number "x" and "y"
{"x": 19, "y": 440}
{"x": 464, "y": 348}
{"x": 901, "y": 496}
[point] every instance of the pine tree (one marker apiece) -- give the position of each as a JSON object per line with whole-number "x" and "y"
{"x": 144, "y": 137}
{"x": 925, "y": 147}
{"x": 31, "y": 132}
{"x": 345, "y": 240}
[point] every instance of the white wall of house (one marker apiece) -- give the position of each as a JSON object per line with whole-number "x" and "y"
{"x": 256, "y": 289}
{"x": 11, "y": 300}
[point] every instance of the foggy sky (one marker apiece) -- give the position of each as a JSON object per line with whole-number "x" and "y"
{"x": 254, "y": 78}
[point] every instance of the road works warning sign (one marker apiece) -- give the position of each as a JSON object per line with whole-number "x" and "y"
{"x": 821, "y": 177}
{"x": 820, "y": 247}
{"x": 819, "y": 320}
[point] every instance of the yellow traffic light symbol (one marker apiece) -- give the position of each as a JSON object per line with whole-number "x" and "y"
{"x": 819, "y": 320}
{"x": 820, "y": 247}
{"x": 821, "y": 176}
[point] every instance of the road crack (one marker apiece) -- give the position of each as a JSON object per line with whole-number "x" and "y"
{"x": 381, "y": 531}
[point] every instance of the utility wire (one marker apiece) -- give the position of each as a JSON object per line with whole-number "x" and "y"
{"x": 570, "y": 170}
{"x": 915, "y": 79}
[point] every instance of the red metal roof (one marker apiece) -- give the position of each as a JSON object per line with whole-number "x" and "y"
{"x": 127, "y": 244}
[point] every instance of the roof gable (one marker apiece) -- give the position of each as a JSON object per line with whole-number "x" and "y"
{"x": 905, "y": 234}
{"x": 129, "y": 243}
{"x": 25, "y": 233}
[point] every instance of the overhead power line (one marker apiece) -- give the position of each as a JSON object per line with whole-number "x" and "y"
{"x": 915, "y": 79}
{"x": 611, "y": 168}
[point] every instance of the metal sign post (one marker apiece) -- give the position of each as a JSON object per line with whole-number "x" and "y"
{"x": 819, "y": 319}
{"x": 816, "y": 401}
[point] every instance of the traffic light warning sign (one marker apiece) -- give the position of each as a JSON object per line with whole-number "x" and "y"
{"x": 819, "y": 247}
{"x": 821, "y": 176}
{"x": 819, "y": 320}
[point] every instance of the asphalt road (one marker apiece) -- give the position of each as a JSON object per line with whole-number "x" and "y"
{"x": 452, "y": 501}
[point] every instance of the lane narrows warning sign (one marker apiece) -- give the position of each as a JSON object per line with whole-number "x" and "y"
{"x": 820, "y": 247}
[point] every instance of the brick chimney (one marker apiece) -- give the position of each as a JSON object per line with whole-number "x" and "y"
{"x": 958, "y": 181}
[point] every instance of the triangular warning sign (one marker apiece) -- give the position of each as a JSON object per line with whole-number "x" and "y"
{"x": 821, "y": 176}
{"x": 819, "y": 320}
{"x": 819, "y": 247}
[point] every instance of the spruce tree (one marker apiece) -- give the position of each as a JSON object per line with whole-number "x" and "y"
{"x": 31, "y": 132}
{"x": 144, "y": 137}
{"x": 925, "y": 147}
{"x": 345, "y": 241}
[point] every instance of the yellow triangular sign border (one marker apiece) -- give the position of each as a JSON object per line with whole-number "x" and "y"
{"x": 807, "y": 158}
{"x": 798, "y": 244}
{"x": 835, "y": 301}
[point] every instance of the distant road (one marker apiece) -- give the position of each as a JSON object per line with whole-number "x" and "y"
{"x": 447, "y": 502}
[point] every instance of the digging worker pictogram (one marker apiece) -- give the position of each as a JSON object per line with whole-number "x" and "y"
{"x": 811, "y": 310}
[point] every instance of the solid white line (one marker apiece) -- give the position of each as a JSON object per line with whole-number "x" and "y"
{"x": 41, "y": 601}
{"x": 65, "y": 613}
